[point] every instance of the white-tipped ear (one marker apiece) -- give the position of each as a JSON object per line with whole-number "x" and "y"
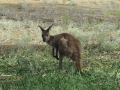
{"x": 41, "y": 28}
{"x": 49, "y": 28}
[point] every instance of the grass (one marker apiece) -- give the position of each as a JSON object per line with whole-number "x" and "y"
{"x": 26, "y": 62}
{"x": 31, "y": 69}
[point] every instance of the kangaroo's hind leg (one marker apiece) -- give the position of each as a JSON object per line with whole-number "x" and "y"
{"x": 78, "y": 66}
{"x": 78, "y": 63}
{"x": 60, "y": 61}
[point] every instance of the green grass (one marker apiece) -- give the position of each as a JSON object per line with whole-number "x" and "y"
{"x": 32, "y": 69}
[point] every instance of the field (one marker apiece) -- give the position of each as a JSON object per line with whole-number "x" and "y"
{"x": 26, "y": 63}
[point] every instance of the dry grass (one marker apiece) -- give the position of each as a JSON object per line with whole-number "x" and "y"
{"x": 60, "y": 2}
{"x": 27, "y": 14}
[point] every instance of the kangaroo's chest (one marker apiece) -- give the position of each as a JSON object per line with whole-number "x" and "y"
{"x": 54, "y": 44}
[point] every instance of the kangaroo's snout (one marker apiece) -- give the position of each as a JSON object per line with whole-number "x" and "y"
{"x": 43, "y": 40}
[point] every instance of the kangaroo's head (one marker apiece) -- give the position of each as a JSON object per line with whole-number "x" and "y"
{"x": 45, "y": 33}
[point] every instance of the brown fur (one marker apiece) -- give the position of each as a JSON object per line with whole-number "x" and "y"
{"x": 66, "y": 44}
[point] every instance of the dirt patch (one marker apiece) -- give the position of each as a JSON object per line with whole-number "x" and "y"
{"x": 59, "y": 13}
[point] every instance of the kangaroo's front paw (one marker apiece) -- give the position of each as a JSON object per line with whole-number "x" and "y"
{"x": 56, "y": 57}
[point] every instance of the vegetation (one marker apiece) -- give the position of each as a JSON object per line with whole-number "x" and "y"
{"x": 26, "y": 62}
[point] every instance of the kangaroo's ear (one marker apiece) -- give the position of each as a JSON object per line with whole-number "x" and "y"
{"x": 41, "y": 28}
{"x": 49, "y": 28}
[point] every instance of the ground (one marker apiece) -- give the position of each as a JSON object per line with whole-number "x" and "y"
{"x": 26, "y": 62}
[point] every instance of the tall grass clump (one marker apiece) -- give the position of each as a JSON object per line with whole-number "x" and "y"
{"x": 73, "y": 2}
{"x": 24, "y": 5}
{"x": 118, "y": 13}
{"x": 64, "y": 1}
{"x": 65, "y": 21}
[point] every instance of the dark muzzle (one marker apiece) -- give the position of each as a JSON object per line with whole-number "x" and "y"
{"x": 43, "y": 40}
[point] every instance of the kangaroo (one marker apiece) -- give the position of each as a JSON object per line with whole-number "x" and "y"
{"x": 65, "y": 45}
